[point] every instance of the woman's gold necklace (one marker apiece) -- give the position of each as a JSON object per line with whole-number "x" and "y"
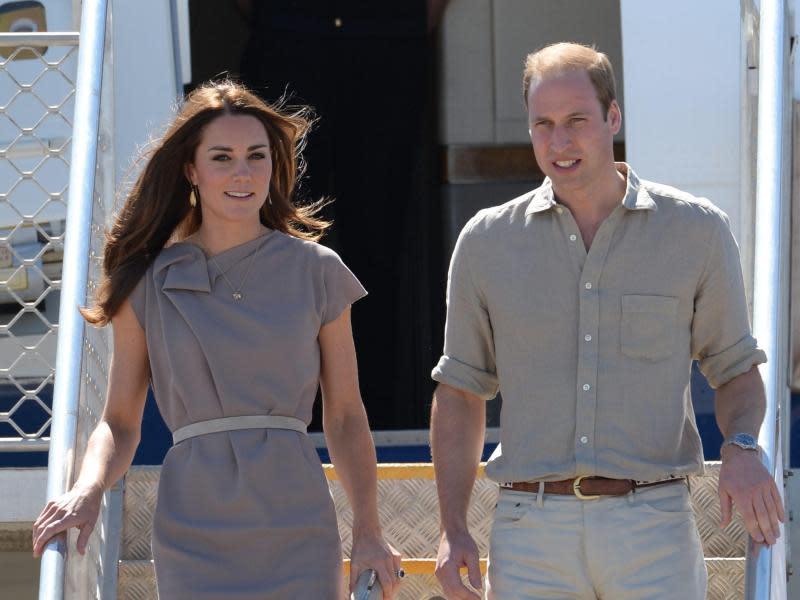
{"x": 237, "y": 292}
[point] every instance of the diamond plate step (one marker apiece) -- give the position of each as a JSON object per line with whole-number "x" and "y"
{"x": 725, "y": 581}
{"x": 139, "y": 503}
{"x": 410, "y": 515}
{"x": 136, "y": 580}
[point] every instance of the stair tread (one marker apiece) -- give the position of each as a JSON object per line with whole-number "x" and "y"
{"x": 725, "y": 581}
{"x": 409, "y": 513}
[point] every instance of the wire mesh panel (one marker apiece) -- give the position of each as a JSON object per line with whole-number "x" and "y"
{"x": 96, "y": 341}
{"x": 37, "y": 89}
{"x": 87, "y": 574}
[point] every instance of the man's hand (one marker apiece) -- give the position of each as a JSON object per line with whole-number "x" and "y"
{"x": 455, "y": 551}
{"x": 746, "y": 483}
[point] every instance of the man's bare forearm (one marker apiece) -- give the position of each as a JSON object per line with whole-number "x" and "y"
{"x": 457, "y": 430}
{"x": 739, "y": 404}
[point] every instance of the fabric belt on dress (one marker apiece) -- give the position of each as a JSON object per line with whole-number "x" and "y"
{"x": 235, "y": 423}
{"x": 588, "y": 488}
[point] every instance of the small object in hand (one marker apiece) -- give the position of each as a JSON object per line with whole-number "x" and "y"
{"x": 400, "y": 573}
{"x": 367, "y": 587}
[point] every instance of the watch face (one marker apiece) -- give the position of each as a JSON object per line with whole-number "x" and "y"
{"x": 744, "y": 440}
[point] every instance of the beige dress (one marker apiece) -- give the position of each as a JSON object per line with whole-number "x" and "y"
{"x": 242, "y": 514}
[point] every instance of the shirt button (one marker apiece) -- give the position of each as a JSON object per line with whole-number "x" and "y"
{"x": 588, "y": 285}
{"x": 586, "y": 387}
{"x": 588, "y": 337}
{"x": 559, "y": 210}
{"x": 337, "y": 22}
{"x": 573, "y": 237}
{"x": 584, "y": 440}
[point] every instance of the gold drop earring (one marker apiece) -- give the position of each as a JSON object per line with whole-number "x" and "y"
{"x": 193, "y": 196}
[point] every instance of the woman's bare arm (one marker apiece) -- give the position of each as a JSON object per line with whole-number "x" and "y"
{"x": 353, "y": 452}
{"x": 113, "y": 442}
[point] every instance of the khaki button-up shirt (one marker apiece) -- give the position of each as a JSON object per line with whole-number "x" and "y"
{"x": 592, "y": 350}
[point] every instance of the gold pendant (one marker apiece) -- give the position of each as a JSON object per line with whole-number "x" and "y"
{"x": 237, "y": 296}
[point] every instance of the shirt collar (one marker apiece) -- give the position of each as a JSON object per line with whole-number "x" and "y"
{"x": 543, "y": 198}
{"x": 636, "y": 196}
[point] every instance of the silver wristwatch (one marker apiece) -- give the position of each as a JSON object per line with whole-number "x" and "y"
{"x": 745, "y": 441}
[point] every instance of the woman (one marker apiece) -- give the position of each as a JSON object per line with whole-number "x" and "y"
{"x": 219, "y": 296}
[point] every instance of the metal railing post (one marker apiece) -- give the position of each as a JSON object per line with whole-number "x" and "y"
{"x": 765, "y": 571}
{"x": 75, "y": 270}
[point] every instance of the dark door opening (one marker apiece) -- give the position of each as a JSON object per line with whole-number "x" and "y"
{"x": 367, "y": 69}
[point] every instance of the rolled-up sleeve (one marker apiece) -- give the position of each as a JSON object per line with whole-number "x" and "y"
{"x": 468, "y": 362}
{"x": 721, "y": 337}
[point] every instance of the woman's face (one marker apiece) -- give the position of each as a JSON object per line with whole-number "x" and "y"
{"x": 232, "y": 168}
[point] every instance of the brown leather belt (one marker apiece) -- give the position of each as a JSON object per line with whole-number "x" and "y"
{"x": 588, "y": 488}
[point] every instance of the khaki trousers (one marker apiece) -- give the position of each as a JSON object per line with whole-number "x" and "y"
{"x": 643, "y": 546}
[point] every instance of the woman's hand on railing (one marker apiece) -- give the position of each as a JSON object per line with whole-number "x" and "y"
{"x": 371, "y": 551}
{"x": 78, "y": 508}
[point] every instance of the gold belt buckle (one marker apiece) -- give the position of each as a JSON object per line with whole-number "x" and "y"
{"x": 576, "y": 489}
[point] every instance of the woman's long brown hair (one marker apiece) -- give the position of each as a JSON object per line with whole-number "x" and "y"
{"x": 157, "y": 208}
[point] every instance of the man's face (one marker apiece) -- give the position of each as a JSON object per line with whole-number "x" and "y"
{"x": 572, "y": 138}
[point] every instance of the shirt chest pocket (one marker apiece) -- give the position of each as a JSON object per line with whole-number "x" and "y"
{"x": 648, "y": 325}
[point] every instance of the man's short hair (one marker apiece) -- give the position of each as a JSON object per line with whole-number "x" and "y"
{"x": 568, "y": 56}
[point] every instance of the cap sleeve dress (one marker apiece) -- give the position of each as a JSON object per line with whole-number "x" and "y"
{"x": 242, "y": 514}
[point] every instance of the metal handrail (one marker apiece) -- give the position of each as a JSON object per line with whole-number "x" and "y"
{"x": 176, "y": 48}
{"x": 765, "y": 570}
{"x": 74, "y": 279}
{"x": 20, "y": 444}
{"x": 42, "y": 38}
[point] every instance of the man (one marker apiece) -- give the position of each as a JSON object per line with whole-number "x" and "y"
{"x": 585, "y": 301}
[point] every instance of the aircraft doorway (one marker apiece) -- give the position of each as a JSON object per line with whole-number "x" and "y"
{"x": 373, "y": 151}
